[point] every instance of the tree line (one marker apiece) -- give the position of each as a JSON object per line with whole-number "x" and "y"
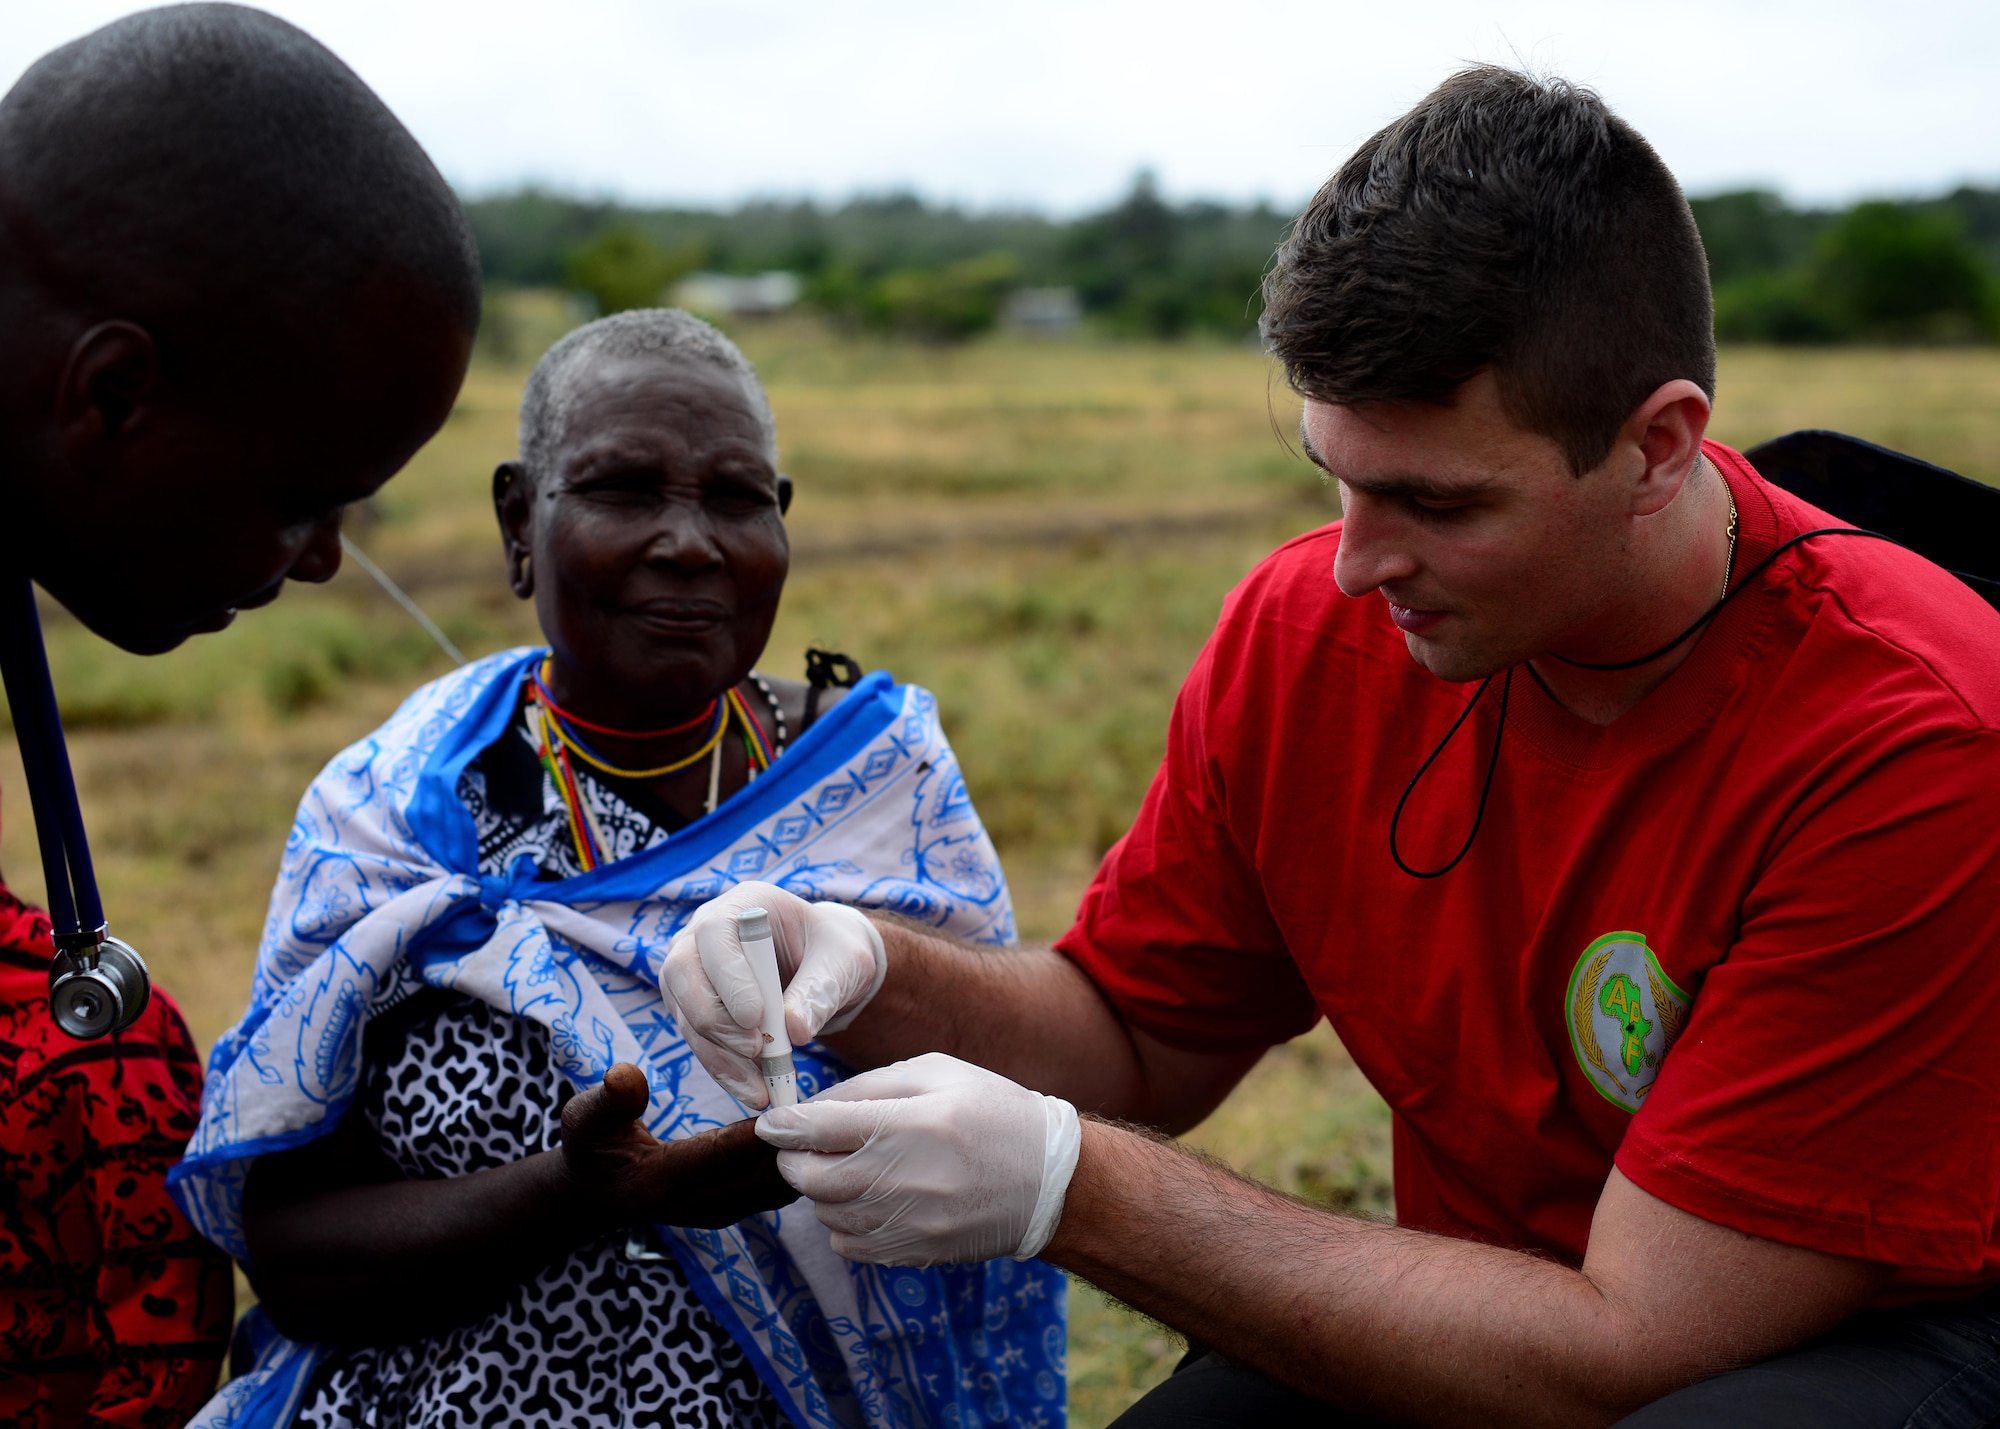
{"x": 1896, "y": 271}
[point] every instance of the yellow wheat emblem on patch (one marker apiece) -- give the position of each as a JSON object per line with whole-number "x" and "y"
{"x": 1580, "y": 1012}
{"x": 1672, "y": 1019}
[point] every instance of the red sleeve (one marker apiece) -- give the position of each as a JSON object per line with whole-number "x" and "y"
{"x": 164, "y": 1299}
{"x": 1175, "y": 929}
{"x": 1868, "y": 962}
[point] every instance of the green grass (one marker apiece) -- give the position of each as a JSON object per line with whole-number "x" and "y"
{"x": 1041, "y": 533}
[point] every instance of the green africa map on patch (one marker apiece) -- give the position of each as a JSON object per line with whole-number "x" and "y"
{"x": 1625, "y": 1013}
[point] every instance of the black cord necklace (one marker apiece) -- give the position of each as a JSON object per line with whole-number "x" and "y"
{"x": 97, "y": 984}
{"x": 1485, "y": 788}
{"x": 1493, "y": 758}
{"x": 1727, "y": 596}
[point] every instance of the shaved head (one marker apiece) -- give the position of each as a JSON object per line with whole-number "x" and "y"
{"x": 199, "y": 156}
{"x": 235, "y": 296}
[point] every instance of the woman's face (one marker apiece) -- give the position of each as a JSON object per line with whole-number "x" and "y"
{"x": 657, "y": 541}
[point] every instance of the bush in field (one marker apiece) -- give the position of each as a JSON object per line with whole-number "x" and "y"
{"x": 944, "y": 304}
{"x": 1754, "y": 231}
{"x": 1142, "y": 268}
{"x": 1774, "y": 307}
{"x": 1146, "y": 268}
{"x": 624, "y": 267}
{"x": 1891, "y": 271}
{"x": 1884, "y": 272}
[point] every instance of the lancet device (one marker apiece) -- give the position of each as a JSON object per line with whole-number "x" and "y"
{"x": 753, "y": 930}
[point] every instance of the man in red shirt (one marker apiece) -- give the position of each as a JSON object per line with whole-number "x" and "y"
{"x": 234, "y": 296}
{"x": 1640, "y": 846}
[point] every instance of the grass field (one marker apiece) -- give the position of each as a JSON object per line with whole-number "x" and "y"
{"x": 1041, "y": 533}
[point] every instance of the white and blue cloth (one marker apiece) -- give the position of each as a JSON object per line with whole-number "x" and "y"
{"x": 379, "y": 894}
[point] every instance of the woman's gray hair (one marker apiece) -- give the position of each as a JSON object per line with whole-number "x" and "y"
{"x": 556, "y": 387}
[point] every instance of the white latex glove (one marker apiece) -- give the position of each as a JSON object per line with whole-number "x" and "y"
{"x": 929, "y": 1162}
{"x": 830, "y": 963}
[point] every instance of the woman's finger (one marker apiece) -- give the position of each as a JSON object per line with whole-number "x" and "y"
{"x": 607, "y": 1109}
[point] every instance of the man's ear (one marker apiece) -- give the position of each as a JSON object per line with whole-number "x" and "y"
{"x": 784, "y": 494}
{"x": 1665, "y": 431}
{"x": 113, "y": 372}
{"x": 514, "y": 508}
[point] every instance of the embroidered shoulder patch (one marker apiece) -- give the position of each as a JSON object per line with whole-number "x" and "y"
{"x": 1624, "y": 1016}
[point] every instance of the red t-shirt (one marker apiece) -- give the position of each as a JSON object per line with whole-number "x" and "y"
{"x": 1782, "y": 867}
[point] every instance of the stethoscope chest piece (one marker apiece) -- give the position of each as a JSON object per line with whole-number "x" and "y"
{"x": 98, "y": 984}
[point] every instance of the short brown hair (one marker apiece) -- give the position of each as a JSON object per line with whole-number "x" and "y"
{"x": 1506, "y": 222}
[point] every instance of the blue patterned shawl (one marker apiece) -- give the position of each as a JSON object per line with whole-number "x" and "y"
{"x": 380, "y": 892}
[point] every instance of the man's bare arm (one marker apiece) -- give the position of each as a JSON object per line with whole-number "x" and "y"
{"x": 1031, "y": 1014}
{"x": 1394, "y": 1322}
{"x": 1433, "y": 1330}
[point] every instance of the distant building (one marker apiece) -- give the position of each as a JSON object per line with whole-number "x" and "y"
{"x": 730, "y": 295}
{"x": 1049, "y": 311}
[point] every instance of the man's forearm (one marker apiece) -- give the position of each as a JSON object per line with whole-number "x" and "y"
{"x": 1028, "y": 1013}
{"x": 1416, "y": 1327}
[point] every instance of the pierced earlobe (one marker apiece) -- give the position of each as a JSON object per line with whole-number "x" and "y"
{"x": 524, "y": 576}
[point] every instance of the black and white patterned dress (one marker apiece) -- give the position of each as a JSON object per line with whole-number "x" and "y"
{"x": 607, "y": 1335}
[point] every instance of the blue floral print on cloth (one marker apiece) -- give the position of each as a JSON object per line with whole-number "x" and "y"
{"x": 379, "y": 894}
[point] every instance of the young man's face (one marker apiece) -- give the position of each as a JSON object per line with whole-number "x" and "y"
{"x": 1485, "y": 547}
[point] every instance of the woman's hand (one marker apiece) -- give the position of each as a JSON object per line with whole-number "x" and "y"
{"x": 621, "y": 1174}
{"x": 342, "y": 1249}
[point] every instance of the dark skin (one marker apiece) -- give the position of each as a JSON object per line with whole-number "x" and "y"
{"x": 155, "y": 494}
{"x": 163, "y": 470}
{"x": 655, "y": 551}
{"x": 345, "y": 1252}
{"x": 180, "y": 430}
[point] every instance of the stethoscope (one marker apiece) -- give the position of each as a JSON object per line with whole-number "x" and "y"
{"x": 97, "y": 984}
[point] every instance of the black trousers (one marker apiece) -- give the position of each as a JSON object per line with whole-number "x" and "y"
{"x": 1926, "y": 1367}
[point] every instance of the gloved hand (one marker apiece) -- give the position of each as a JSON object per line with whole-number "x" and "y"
{"x": 930, "y": 1161}
{"x": 830, "y": 963}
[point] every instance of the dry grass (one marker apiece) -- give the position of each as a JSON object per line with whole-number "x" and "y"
{"x": 1040, "y": 533}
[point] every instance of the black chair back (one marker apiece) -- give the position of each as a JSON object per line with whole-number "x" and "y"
{"x": 1942, "y": 516}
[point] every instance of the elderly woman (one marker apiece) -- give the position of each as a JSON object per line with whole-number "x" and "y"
{"x": 471, "y": 1167}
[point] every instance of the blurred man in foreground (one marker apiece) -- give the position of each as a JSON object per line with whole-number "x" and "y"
{"x": 234, "y": 296}
{"x": 1675, "y": 964}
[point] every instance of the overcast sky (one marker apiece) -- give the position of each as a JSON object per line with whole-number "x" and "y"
{"x": 1055, "y": 103}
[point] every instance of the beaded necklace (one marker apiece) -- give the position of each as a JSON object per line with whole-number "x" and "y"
{"x": 549, "y": 702}
{"x": 557, "y": 746}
